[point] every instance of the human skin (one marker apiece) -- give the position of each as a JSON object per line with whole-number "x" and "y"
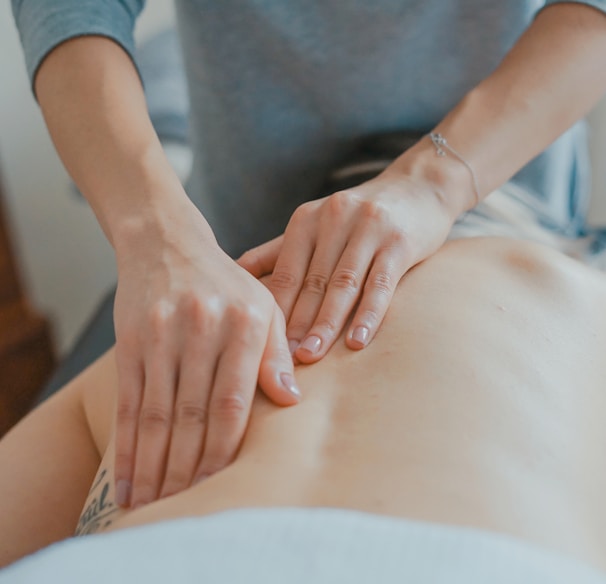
{"x": 194, "y": 333}
{"x": 480, "y": 403}
{"x": 354, "y": 246}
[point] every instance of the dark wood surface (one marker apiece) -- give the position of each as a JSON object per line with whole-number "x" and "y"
{"x": 26, "y": 349}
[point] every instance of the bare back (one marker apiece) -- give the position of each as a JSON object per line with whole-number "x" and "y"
{"x": 479, "y": 403}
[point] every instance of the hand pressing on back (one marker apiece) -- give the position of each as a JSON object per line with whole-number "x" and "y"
{"x": 342, "y": 256}
{"x": 195, "y": 332}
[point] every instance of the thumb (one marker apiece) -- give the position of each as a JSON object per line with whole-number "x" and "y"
{"x": 261, "y": 260}
{"x": 276, "y": 373}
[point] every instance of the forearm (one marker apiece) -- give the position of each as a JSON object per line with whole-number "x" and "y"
{"x": 551, "y": 78}
{"x": 94, "y": 106}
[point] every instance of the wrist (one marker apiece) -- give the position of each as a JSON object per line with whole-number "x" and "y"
{"x": 143, "y": 199}
{"x": 448, "y": 177}
{"x": 163, "y": 223}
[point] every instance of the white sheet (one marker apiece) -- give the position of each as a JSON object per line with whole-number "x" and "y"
{"x": 298, "y": 546}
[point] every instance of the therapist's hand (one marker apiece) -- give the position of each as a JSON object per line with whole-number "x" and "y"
{"x": 345, "y": 254}
{"x": 194, "y": 334}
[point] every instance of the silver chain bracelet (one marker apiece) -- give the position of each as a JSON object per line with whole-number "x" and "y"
{"x": 442, "y": 146}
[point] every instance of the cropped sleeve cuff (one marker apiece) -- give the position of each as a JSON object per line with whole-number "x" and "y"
{"x": 598, "y": 4}
{"x": 43, "y": 25}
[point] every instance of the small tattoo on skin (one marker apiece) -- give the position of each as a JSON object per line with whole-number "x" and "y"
{"x": 98, "y": 513}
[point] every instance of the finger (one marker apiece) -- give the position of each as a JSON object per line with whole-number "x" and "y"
{"x": 190, "y": 417}
{"x": 232, "y": 394}
{"x": 155, "y": 424}
{"x": 293, "y": 260}
{"x": 276, "y": 374}
{"x": 383, "y": 278}
{"x": 343, "y": 292}
{"x": 130, "y": 391}
{"x": 331, "y": 243}
{"x": 261, "y": 260}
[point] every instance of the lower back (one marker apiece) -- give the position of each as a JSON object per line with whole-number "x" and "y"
{"x": 478, "y": 403}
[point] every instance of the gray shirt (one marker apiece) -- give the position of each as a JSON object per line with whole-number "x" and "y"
{"x": 280, "y": 91}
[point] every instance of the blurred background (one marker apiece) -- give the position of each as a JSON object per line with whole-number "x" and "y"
{"x": 65, "y": 263}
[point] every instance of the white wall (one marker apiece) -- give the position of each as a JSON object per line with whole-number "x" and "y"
{"x": 67, "y": 263}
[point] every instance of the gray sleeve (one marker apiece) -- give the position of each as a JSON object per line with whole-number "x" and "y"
{"x": 599, "y": 4}
{"x": 44, "y": 24}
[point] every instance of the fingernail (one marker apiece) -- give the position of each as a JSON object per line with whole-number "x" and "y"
{"x": 123, "y": 489}
{"x": 288, "y": 381}
{"x": 311, "y": 344}
{"x": 360, "y": 335}
{"x": 292, "y": 346}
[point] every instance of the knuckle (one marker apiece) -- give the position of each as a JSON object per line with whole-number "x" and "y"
{"x": 303, "y": 211}
{"x": 382, "y": 282}
{"x": 231, "y": 407}
{"x": 282, "y": 355}
{"x": 245, "y": 256}
{"x": 251, "y": 258}
{"x": 154, "y": 418}
{"x": 245, "y": 315}
{"x": 126, "y": 412}
{"x": 195, "y": 312}
{"x": 297, "y": 328}
{"x": 341, "y": 202}
{"x": 189, "y": 413}
{"x": 370, "y": 318}
{"x": 191, "y": 305}
{"x": 398, "y": 238}
{"x": 284, "y": 280}
{"x": 252, "y": 315}
{"x": 374, "y": 211}
{"x": 315, "y": 283}
{"x": 345, "y": 279}
{"x": 327, "y": 324}
{"x": 160, "y": 315}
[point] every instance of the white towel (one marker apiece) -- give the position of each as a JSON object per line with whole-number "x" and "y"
{"x": 298, "y": 546}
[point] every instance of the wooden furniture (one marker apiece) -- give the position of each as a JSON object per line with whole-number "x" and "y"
{"x": 26, "y": 351}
